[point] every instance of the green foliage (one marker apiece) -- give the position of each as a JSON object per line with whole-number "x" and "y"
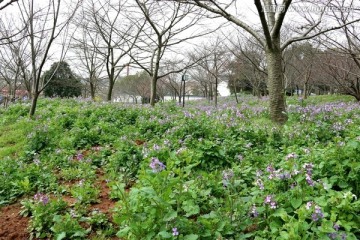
{"x": 42, "y": 211}
{"x": 62, "y": 81}
{"x": 193, "y": 173}
{"x": 67, "y": 227}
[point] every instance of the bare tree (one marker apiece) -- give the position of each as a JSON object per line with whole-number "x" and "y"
{"x": 118, "y": 33}
{"x": 86, "y": 53}
{"x": 248, "y": 66}
{"x": 43, "y": 25}
{"x": 214, "y": 61}
{"x": 301, "y": 68}
{"x": 6, "y": 3}
{"x": 14, "y": 62}
{"x": 172, "y": 81}
{"x": 342, "y": 57}
{"x": 170, "y": 25}
{"x": 135, "y": 86}
{"x": 271, "y": 15}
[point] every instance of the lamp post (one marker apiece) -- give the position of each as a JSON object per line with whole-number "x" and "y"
{"x": 184, "y": 77}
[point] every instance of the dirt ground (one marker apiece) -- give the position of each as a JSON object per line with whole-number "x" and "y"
{"x": 14, "y": 227}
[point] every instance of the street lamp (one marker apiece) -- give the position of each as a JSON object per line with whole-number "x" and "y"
{"x": 184, "y": 77}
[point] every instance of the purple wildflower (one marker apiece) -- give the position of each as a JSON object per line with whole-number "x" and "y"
{"x": 314, "y": 217}
{"x": 253, "y": 212}
{"x": 79, "y": 156}
{"x": 260, "y": 184}
{"x": 291, "y": 156}
{"x": 332, "y": 235}
{"x": 343, "y": 236}
{"x": 166, "y": 142}
{"x": 270, "y": 169}
{"x": 175, "y": 232}
{"x": 336, "y": 227}
{"x": 309, "y": 180}
{"x": 273, "y": 205}
{"x": 156, "y": 165}
{"x": 309, "y": 205}
{"x": 39, "y": 197}
{"x": 268, "y": 199}
{"x": 318, "y": 214}
{"x": 259, "y": 173}
{"x": 156, "y": 147}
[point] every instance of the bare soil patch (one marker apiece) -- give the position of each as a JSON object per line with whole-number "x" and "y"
{"x": 12, "y": 225}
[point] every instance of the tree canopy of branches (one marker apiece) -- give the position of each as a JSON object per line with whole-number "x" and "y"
{"x": 271, "y": 16}
{"x": 169, "y": 24}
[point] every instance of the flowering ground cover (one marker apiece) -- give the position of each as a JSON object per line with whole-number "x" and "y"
{"x": 84, "y": 170}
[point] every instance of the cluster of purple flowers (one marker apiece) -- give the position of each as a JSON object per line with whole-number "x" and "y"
{"x": 277, "y": 173}
{"x": 79, "y": 156}
{"x": 334, "y": 235}
{"x": 42, "y": 198}
{"x": 156, "y": 165}
{"x": 269, "y": 200}
{"x": 318, "y": 214}
{"x": 308, "y": 175}
{"x": 338, "y": 127}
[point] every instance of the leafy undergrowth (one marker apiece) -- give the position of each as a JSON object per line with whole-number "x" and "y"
{"x": 86, "y": 170}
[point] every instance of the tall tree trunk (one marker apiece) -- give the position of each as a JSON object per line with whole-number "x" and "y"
{"x": 216, "y": 93}
{"x": 92, "y": 90}
{"x": 180, "y": 91}
{"x": 276, "y": 86}
{"x": 153, "y": 90}
{"x": 235, "y": 92}
{"x": 110, "y": 89}
{"x": 305, "y": 90}
{"x": 34, "y": 99}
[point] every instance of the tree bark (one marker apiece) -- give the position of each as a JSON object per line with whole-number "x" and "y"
{"x": 34, "y": 99}
{"x": 276, "y": 86}
{"x": 92, "y": 91}
{"x": 216, "y": 93}
{"x": 153, "y": 90}
{"x": 305, "y": 90}
{"x": 110, "y": 90}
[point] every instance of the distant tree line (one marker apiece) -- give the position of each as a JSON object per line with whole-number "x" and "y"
{"x": 283, "y": 53}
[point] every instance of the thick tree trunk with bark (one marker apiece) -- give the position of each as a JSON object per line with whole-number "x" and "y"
{"x": 34, "y": 99}
{"x": 110, "y": 90}
{"x": 153, "y": 90}
{"x": 92, "y": 91}
{"x": 276, "y": 86}
{"x": 305, "y": 90}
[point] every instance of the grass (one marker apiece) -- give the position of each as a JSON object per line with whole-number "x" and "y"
{"x": 13, "y": 139}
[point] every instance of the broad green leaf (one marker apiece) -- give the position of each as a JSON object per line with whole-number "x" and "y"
{"x": 296, "y": 202}
{"x": 280, "y": 213}
{"x": 165, "y": 234}
{"x": 170, "y": 216}
{"x": 60, "y": 236}
{"x": 123, "y": 232}
{"x": 190, "y": 208}
{"x": 191, "y": 237}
